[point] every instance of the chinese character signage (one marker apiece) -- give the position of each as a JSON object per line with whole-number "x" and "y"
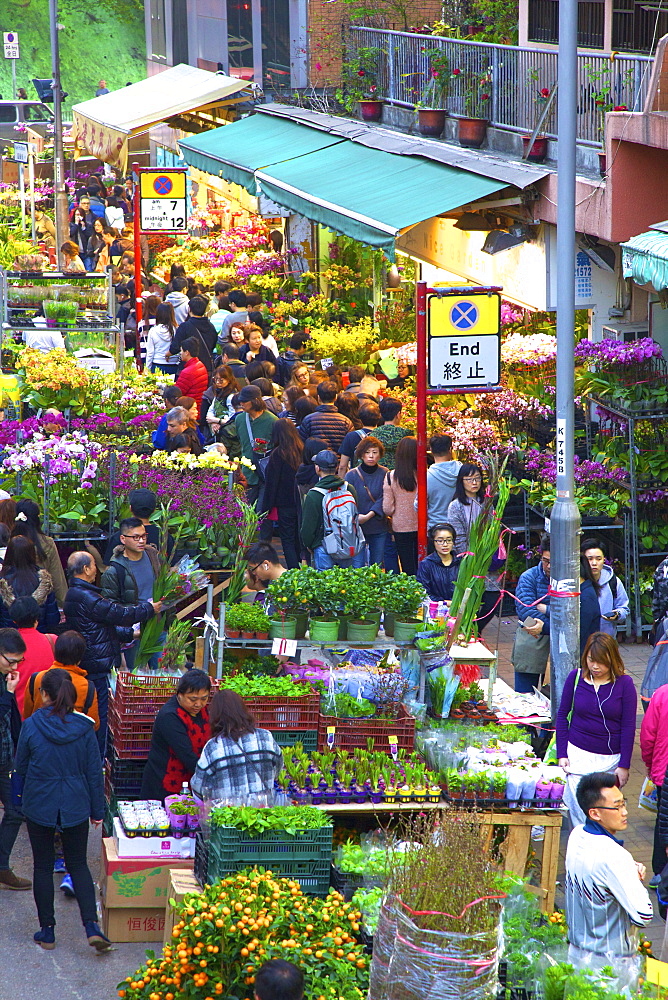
{"x": 464, "y": 342}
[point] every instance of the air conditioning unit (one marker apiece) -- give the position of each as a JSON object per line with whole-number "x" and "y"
{"x": 626, "y": 332}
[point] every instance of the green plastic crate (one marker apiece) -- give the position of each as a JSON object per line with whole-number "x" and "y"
{"x": 232, "y": 845}
{"x": 288, "y": 737}
{"x": 313, "y": 876}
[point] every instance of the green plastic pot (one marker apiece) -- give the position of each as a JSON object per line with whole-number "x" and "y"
{"x": 362, "y": 630}
{"x": 301, "y": 619}
{"x": 388, "y": 623}
{"x": 372, "y": 616}
{"x": 324, "y": 629}
{"x": 405, "y": 631}
{"x": 283, "y": 628}
{"x": 343, "y": 626}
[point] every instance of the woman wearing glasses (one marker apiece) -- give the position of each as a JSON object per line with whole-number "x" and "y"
{"x": 438, "y": 571}
{"x": 463, "y": 512}
{"x": 600, "y": 699}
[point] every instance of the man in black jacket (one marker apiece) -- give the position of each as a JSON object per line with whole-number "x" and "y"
{"x": 103, "y": 624}
{"x": 202, "y": 329}
{"x": 12, "y": 651}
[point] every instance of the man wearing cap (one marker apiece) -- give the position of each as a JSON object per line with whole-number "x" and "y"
{"x": 254, "y": 426}
{"x": 313, "y": 524}
{"x": 142, "y": 506}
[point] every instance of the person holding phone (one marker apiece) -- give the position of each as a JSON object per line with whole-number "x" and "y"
{"x": 612, "y": 597}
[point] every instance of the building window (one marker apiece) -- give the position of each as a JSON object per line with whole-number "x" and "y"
{"x": 276, "y": 44}
{"x": 544, "y": 22}
{"x": 158, "y": 37}
{"x": 636, "y": 27}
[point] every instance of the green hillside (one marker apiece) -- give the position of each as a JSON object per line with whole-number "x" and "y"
{"x": 102, "y": 40}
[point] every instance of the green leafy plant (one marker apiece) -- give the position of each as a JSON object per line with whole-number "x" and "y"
{"x": 269, "y": 687}
{"x": 402, "y": 594}
{"x": 246, "y": 617}
{"x": 359, "y": 78}
{"x": 278, "y": 819}
{"x": 435, "y": 92}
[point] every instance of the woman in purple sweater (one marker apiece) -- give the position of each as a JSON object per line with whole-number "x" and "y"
{"x": 601, "y": 731}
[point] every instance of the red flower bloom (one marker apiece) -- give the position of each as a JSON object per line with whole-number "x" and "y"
{"x": 484, "y": 97}
{"x": 545, "y": 92}
{"x": 360, "y": 72}
{"x": 456, "y": 72}
{"x": 621, "y": 107}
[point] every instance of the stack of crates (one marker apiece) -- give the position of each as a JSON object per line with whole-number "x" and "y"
{"x": 305, "y": 857}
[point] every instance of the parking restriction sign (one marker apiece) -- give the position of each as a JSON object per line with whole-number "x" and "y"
{"x": 464, "y": 341}
{"x": 162, "y": 195}
{"x": 11, "y": 43}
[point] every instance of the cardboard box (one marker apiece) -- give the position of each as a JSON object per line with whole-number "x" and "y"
{"x": 152, "y": 847}
{"x": 130, "y": 883}
{"x": 181, "y": 882}
{"x": 123, "y": 926}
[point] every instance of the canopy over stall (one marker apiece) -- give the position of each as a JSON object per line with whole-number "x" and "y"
{"x": 645, "y": 257}
{"x": 177, "y": 96}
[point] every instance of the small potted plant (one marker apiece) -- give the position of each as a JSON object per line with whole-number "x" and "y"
{"x": 543, "y": 790}
{"x": 536, "y": 151}
{"x": 499, "y": 782}
{"x": 402, "y": 598}
{"x": 557, "y": 791}
{"x": 294, "y": 594}
{"x": 359, "y": 77}
{"x": 472, "y": 128}
{"x": 432, "y": 106}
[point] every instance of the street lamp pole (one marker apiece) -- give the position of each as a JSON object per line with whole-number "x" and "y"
{"x": 565, "y": 516}
{"x": 60, "y": 194}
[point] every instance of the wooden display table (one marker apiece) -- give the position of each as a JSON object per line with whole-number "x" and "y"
{"x": 515, "y": 847}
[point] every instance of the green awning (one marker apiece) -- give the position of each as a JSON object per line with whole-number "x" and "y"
{"x": 368, "y": 194}
{"x": 236, "y": 150}
{"x": 645, "y": 259}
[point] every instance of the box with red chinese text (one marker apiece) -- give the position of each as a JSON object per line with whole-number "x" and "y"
{"x": 136, "y": 882}
{"x": 123, "y": 926}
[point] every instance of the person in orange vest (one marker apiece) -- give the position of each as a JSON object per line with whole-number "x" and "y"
{"x": 68, "y": 652}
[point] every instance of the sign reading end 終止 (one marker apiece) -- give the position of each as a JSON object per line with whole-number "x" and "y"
{"x": 464, "y": 342}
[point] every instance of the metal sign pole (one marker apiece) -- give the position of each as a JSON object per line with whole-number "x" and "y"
{"x": 22, "y": 196}
{"x": 565, "y": 516}
{"x": 13, "y": 79}
{"x": 421, "y": 388}
{"x": 137, "y": 243}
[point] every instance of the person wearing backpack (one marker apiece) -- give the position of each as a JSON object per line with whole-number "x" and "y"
{"x": 368, "y": 479}
{"x": 612, "y": 597}
{"x": 330, "y": 525}
{"x": 68, "y": 653}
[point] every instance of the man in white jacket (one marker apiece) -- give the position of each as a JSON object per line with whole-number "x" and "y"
{"x": 606, "y": 901}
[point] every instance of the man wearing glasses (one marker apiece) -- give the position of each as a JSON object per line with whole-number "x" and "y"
{"x": 132, "y": 571}
{"x": 606, "y": 901}
{"x": 12, "y": 651}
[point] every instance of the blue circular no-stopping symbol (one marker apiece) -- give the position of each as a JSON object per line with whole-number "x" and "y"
{"x": 162, "y": 185}
{"x": 464, "y": 315}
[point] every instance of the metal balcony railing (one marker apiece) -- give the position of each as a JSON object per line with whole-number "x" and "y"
{"x": 516, "y": 76}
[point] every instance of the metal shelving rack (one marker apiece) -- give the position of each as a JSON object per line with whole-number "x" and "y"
{"x": 96, "y": 321}
{"x": 630, "y": 418}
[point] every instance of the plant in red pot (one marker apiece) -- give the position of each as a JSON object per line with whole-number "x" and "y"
{"x": 475, "y": 85}
{"x": 431, "y": 108}
{"x": 544, "y": 106}
{"x": 360, "y": 84}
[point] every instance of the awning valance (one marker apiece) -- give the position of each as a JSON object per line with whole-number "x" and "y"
{"x": 368, "y": 194}
{"x": 104, "y": 124}
{"x": 645, "y": 259}
{"x": 237, "y": 150}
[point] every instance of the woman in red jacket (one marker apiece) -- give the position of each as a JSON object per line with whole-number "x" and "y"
{"x": 193, "y": 379}
{"x": 654, "y": 751}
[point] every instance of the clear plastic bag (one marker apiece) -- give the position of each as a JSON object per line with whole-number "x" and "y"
{"x": 441, "y": 965}
{"x": 383, "y": 948}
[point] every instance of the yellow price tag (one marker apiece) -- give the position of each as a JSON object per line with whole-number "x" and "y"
{"x": 656, "y": 972}
{"x": 392, "y": 740}
{"x": 331, "y": 730}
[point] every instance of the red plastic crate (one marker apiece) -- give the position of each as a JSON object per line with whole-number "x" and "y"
{"x": 130, "y": 734}
{"x": 139, "y": 694}
{"x": 352, "y": 734}
{"x": 285, "y": 713}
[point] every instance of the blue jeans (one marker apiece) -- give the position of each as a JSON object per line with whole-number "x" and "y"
{"x": 391, "y": 557}
{"x": 101, "y": 682}
{"x": 323, "y": 560}
{"x": 376, "y": 548}
{"x": 525, "y": 683}
{"x": 11, "y": 820}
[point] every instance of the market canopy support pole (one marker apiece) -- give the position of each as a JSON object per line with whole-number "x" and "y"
{"x": 565, "y": 517}
{"x": 421, "y": 388}
{"x": 137, "y": 243}
{"x": 60, "y": 195}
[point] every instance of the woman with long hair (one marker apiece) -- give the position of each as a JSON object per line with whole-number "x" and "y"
{"x": 95, "y": 245}
{"x": 239, "y": 760}
{"x": 28, "y": 523}
{"x": 348, "y": 404}
{"x": 302, "y": 407}
{"x": 287, "y": 449}
{"x": 438, "y": 571}
{"x": 464, "y": 510}
{"x": 59, "y": 759}
{"x": 8, "y": 513}
{"x": 300, "y": 377}
{"x": 20, "y": 576}
{"x": 217, "y": 406}
{"x": 289, "y": 397}
{"x": 600, "y": 698}
{"x": 159, "y": 338}
{"x": 399, "y": 493}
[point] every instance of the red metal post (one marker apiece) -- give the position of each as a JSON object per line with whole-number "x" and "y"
{"x": 421, "y": 389}
{"x": 137, "y": 242}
